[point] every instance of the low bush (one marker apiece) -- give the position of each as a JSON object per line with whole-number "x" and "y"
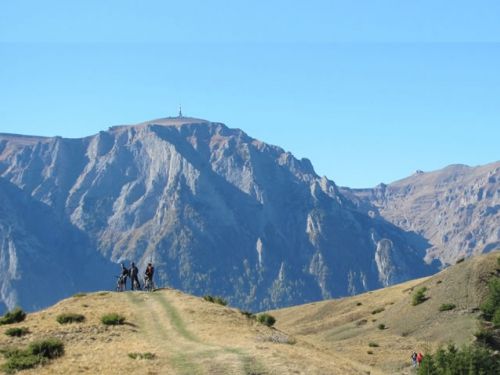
{"x": 78, "y": 295}
{"x": 248, "y": 314}
{"x": 112, "y": 319}
{"x": 36, "y": 354}
{"x": 447, "y": 307}
{"x": 359, "y": 304}
{"x": 378, "y": 310}
{"x": 219, "y": 300}
{"x": 419, "y": 296}
{"x": 461, "y": 260}
{"x": 492, "y": 303}
{"x": 70, "y": 318}
{"x": 381, "y": 326}
{"x": 15, "y": 316}
{"x": 17, "y": 331}
{"x": 470, "y": 359}
{"x": 373, "y": 345}
{"x": 48, "y": 348}
{"x": 147, "y": 355}
{"x": 484, "y": 336}
{"x": 369, "y": 352}
{"x": 266, "y": 319}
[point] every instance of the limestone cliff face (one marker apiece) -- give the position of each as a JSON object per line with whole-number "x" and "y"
{"x": 457, "y": 209}
{"x": 217, "y": 211}
{"x": 42, "y": 257}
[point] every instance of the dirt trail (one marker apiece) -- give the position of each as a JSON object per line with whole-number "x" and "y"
{"x": 162, "y": 324}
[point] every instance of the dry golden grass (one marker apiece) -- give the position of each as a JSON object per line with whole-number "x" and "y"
{"x": 347, "y": 326}
{"x": 186, "y": 334}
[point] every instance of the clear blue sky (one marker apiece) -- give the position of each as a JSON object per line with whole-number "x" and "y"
{"x": 368, "y": 90}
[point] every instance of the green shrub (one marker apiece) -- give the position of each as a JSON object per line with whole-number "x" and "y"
{"x": 378, "y": 310}
{"x": 484, "y": 336}
{"x": 470, "y": 359}
{"x": 15, "y": 316}
{"x": 266, "y": 319}
{"x": 219, "y": 300}
{"x": 17, "y": 331}
{"x": 78, "y": 295}
{"x": 48, "y": 348}
{"x": 70, "y": 318}
{"x": 447, "y": 307}
{"x": 359, "y": 304}
{"x": 37, "y": 353}
{"x": 248, "y": 314}
{"x": 496, "y": 318}
{"x": 419, "y": 296}
{"x": 369, "y": 352}
{"x": 373, "y": 345}
{"x": 460, "y": 260}
{"x": 22, "y": 361}
{"x": 381, "y": 326}
{"x": 112, "y": 319}
{"x": 142, "y": 355}
{"x": 492, "y": 303}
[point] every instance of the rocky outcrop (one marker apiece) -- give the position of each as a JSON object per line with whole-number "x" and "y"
{"x": 457, "y": 209}
{"x": 43, "y": 258}
{"x": 217, "y": 211}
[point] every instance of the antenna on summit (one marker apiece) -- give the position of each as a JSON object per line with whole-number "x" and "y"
{"x": 180, "y": 111}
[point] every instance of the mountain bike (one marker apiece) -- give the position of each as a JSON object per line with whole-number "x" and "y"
{"x": 148, "y": 284}
{"x": 121, "y": 283}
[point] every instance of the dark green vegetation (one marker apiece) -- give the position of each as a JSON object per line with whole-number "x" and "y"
{"x": 147, "y": 355}
{"x": 70, "y": 318}
{"x": 378, "y": 310}
{"x": 472, "y": 359}
{"x": 248, "y": 314}
{"x": 491, "y": 307}
{"x": 15, "y": 316}
{"x": 419, "y": 296}
{"x": 381, "y": 326}
{"x": 480, "y": 357}
{"x": 219, "y": 300}
{"x": 447, "y": 307}
{"x": 112, "y": 319}
{"x": 266, "y": 319}
{"x": 17, "y": 331}
{"x": 37, "y": 353}
{"x": 373, "y": 345}
{"x": 78, "y": 295}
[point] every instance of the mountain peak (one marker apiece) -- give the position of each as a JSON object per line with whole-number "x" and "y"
{"x": 167, "y": 121}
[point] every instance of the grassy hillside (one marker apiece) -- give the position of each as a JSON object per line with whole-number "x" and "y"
{"x": 352, "y": 327}
{"x": 183, "y": 334}
{"x": 168, "y": 332}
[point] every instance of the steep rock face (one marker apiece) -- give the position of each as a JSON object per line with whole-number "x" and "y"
{"x": 457, "y": 208}
{"x": 42, "y": 257}
{"x": 217, "y": 211}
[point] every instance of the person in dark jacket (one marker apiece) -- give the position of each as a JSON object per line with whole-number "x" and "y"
{"x": 148, "y": 276}
{"x": 134, "y": 280}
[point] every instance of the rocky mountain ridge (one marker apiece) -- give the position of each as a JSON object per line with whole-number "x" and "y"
{"x": 456, "y": 208}
{"x": 217, "y": 211}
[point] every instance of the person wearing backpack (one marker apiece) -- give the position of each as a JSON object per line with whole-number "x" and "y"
{"x": 420, "y": 356}
{"x": 149, "y": 273}
{"x": 134, "y": 280}
{"x": 414, "y": 359}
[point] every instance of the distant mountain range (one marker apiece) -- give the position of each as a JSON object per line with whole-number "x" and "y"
{"x": 221, "y": 213}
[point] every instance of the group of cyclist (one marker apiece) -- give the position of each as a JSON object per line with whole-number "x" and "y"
{"x": 133, "y": 273}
